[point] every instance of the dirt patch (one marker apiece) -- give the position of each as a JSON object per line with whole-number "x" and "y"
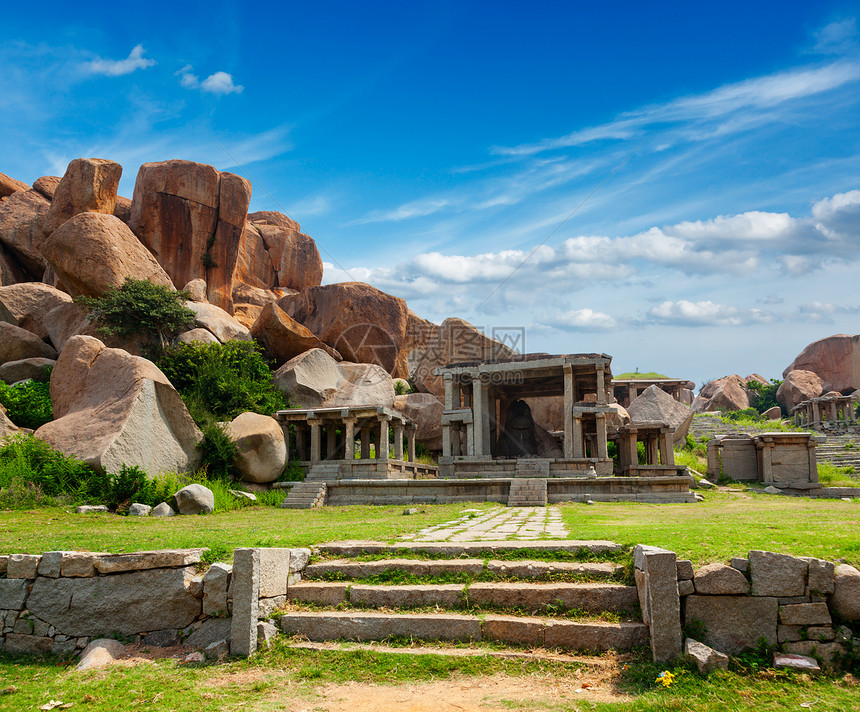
{"x": 473, "y": 694}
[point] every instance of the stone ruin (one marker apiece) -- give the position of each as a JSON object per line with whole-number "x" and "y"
{"x": 830, "y": 413}
{"x": 627, "y": 390}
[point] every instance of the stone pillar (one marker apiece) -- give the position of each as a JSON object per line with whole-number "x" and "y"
{"x": 449, "y": 391}
{"x": 486, "y": 433}
{"x": 330, "y": 442}
{"x": 285, "y": 427}
{"x": 301, "y": 441}
{"x": 410, "y": 442}
{"x": 246, "y": 601}
{"x": 365, "y": 443}
{"x": 813, "y": 460}
{"x": 478, "y": 417}
{"x": 568, "y": 413}
{"x": 446, "y": 440}
{"x": 315, "y": 439}
{"x": 667, "y": 454}
{"x": 349, "y": 438}
{"x": 398, "y": 441}
{"x": 767, "y": 461}
{"x": 578, "y": 443}
{"x": 816, "y": 417}
{"x": 382, "y": 444}
{"x": 652, "y": 451}
{"x": 469, "y": 445}
{"x": 602, "y": 451}
{"x": 631, "y": 394}
{"x": 601, "y": 386}
{"x": 629, "y": 455}
{"x": 657, "y": 584}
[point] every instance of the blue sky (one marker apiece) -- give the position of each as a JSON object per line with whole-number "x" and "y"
{"x": 675, "y": 184}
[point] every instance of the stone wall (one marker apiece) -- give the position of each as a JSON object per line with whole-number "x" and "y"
{"x": 793, "y": 603}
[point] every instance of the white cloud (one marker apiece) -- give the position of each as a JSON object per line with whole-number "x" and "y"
{"x": 221, "y": 83}
{"x": 218, "y": 83}
{"x": 706, "y": 313}
{"x": 119, "y": 67}
{"x": 836, "y": 38}
{"x": 584, "y": 320}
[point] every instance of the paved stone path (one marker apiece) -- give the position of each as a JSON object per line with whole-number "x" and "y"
{"x": 518, "y": 523}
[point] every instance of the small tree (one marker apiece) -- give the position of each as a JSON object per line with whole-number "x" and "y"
{"x": 763, "y": 395}
{"x": 140, "y": 307}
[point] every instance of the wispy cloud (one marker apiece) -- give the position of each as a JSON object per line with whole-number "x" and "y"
{"x": 836, "y": 37}
{"x": 120, "y": 67}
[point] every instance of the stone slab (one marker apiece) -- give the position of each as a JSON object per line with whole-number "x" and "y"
{"x": 538, "y": 569}
{"x": 22, "y": 566}
{"x": 128, "y": 603}
{"x": 595, "y": 637}
{"x": 379, "y": 626}
{"x": 514, "y": 630}
{"x": 323, "y": 593}
{"x": 246, "y": 594}
{"x": 21, "y": 644}
{"x": 361, "y": 569}
{"x": 805, "y": 614}
{"x": 210, "y": 631}
{"x": 777, "y": 574}
{"x": 820, "y": 576}
{"x": 663, "y": 602}
{"x": 356, "y": 548}
{"x": 412, "y": 596}
{"x": 274, "y": 572}
{"x": 13, "y": 593}
{"x": 592, "y": 597}
{"x": 143, "y": 560}
{"x": 734, "y": 623}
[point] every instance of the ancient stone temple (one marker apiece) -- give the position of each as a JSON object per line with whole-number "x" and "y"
{"x": 832, "y": 412}
{"x": 488, "y": 430}
{"x": 627, "y": 390}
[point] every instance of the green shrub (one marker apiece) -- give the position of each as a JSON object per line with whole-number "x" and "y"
{"x": 132, "y": 485}
{"x": 142, "y": 308}
{"x": 27, "y": 404}
{"x": 763, "y": 396}
{"x": 220, "y": 381}
{"x": 217, "y": 452}
{"x": 28, "y": 462}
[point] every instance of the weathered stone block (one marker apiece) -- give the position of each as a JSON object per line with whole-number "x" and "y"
{"x": 267, "y": 606}
{"x": 78, "y": 564}
{"x": 706, "y": 658}
{"x": 515, "y": 630}
{"x": 266, "y": 634}
{"x": 685, "y": 569}
{"x": 414, "y": 596}
{"x": 593, "y": 597}
{"x": 13, "y": 593}
{"x": 846, "y": 592}
{"x": 124, "y": 603}
{"x": 162, "y": 638}
{"x": 323, "y": 593}
{"x": 274, "y": 572}
{"x": 827, "y": 652}
{"x": 143, "y": 560}
{"x": 742, "y": 565}
{"x": 24, "y": 644}
{"x": 777, "y": 574}
{"x": 820, "y": 577}
{"x": 209, "y": 631}
{"x": 100, "y": 652}
{"x": 594, "y": 636}
{"x": 378, "y": 626}
{"x": 216, "y": 583}
{"x": 50, "y": 564}
{"x": 245, "y": 588}
{"x": 719, "y": 579}
{"x": 664, "y": 603}
{"x": 733, "y": 623}
{"x": 805, "y": 614}
{"x": 686, "y": 588}
{"x": 22, "y": 566}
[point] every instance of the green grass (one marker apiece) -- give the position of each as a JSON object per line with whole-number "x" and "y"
{"x": 831, "y": 475}
{"x": 726, "y": 524}
{"x": 650, "y": 375}
{"x": 285, "y": 678}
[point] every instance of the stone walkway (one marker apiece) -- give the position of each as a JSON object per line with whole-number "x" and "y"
{"x": 517, "y": 523}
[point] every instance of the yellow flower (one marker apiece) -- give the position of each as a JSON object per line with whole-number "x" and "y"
{"x": 665, "y": 678}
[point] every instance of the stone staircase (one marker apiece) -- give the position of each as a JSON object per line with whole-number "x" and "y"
{"x": 468, "y": 592}
{"x": 305, "y": 495}
{"x": 527, "y": 492}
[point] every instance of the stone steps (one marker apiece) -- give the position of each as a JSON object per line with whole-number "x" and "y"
{"x": 466, "y": 548}
{"x": 345, "y": 569}
{"x": 518, "y": 630}
{"x": 527, "y": 492}
{"x": 305, "y": 495}
{"x": 494, "y": 600}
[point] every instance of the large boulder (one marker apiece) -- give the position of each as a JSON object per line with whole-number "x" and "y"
{"x": 314, "y": 379}
{"x": 217, "y": 321}
{"x": 22, "y": 215}
{"x": 9, "y": 185}
{"x": 293, "y": 256}
{"x": 11, "y": 269}
{"x": 363, "y": 384}
{"x": 195, "y": 499}
{"x": 17, "y": 343}
{"x": 727, "y": 393}
{"x": 32, "y": 369}
{"x": 362, "y": 323}
{"x": 30, "y": 303}
{"x": 112, "y": 408}
{"x": 836, "y": 361}
{"x": 654, "y": 404}
{"x": 46, "y": 186}
{"x": 248, "y": 302}
{"x": 797, "y": 387}
{"x": 89, "y": 185}
{"x": 455, "y": 340}
{"x": 201, "y": 336}
{"x": 282, "y": 337}
{"x": 262, "y": 448}
{"x": 425, "y": 410}
{"x": 309, "y": 379}
{"x": 191, "y": 217}
{"x": 92, "y": 253}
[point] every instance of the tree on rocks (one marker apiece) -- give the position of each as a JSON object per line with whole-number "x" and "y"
{"x": 140, "y": 308}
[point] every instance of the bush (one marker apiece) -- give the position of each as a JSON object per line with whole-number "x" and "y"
{"x": 220, "y": 381}
{"x": 140, "y": 307}
{"x": 28, "y": 463}
{"x": 217, "y": 452}
{"x": 763, "y": 397}
{"x": 27, "y": 404}
{"x": 132, "y": 485}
